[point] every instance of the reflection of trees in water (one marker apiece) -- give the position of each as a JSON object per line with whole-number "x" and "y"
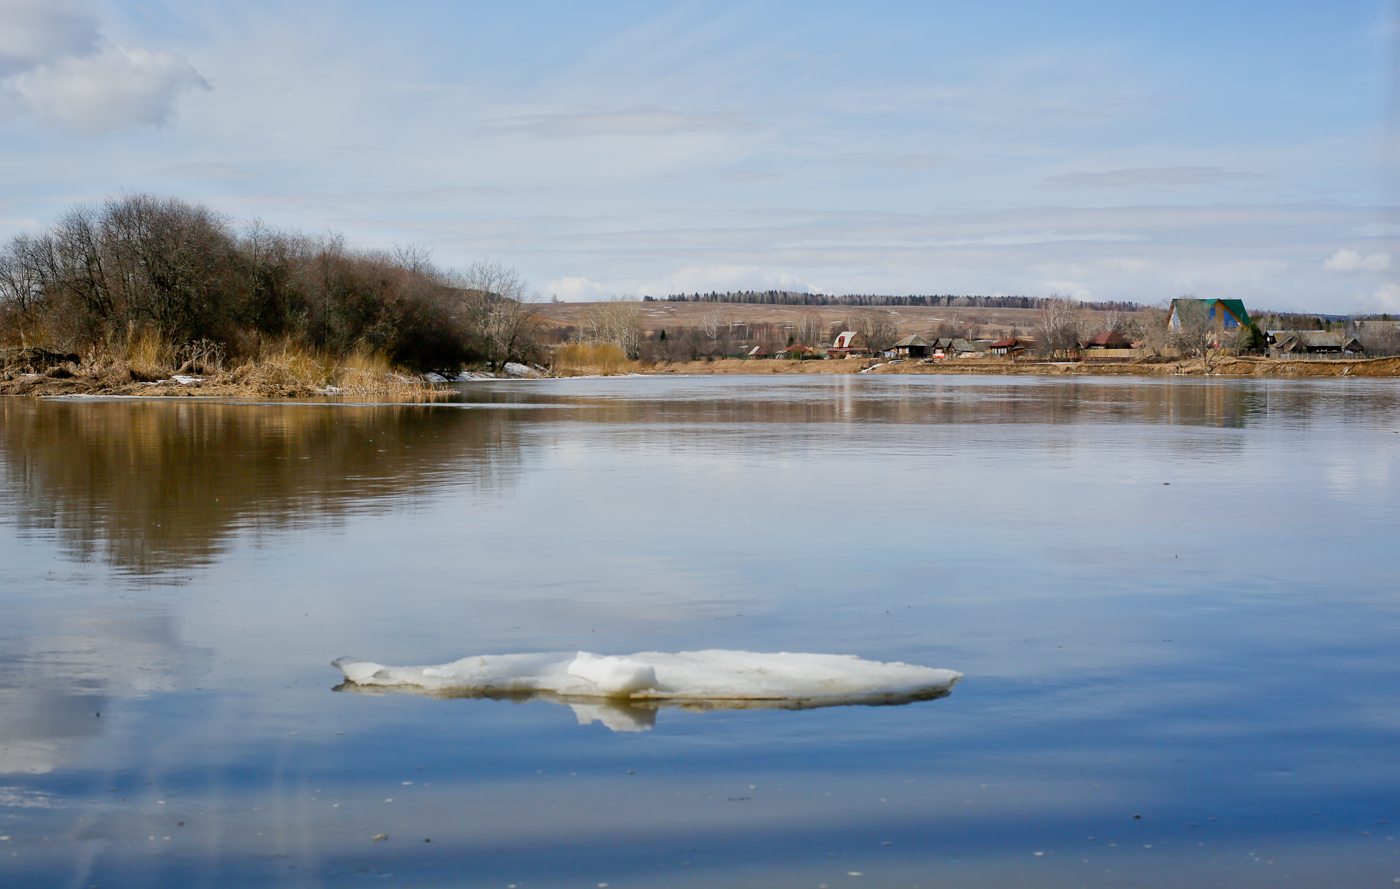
{"x": 153, "y": 486}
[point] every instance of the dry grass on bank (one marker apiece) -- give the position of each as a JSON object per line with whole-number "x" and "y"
{"x": 143, "y": 364}
{"x": 591, "y": 359}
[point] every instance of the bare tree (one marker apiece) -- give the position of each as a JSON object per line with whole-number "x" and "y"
{"x": 1197, "y": 335}
{"x": 1058, "y": 326}
{"x": 1379, "y": 337}
{"x": 1152, "y": 330}
{"x": 21, "y": 292}
{"x": 499, "y": 310}
{"x": 808, "y": 329}
{"x": 769, "y": 338}
{"x": 617, "y": 322}
{"x": 712, "y": 322}
{"x": 877, "y": 329}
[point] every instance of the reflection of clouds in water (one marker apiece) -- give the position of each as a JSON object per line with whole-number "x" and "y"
{"x": 24, "y": 798}
{"x": 1350, "y": 474}
{"x": 58, "y": 683}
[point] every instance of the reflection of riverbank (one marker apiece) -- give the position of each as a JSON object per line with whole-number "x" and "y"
{"x": 156, "y": 485}
{"x": 793, "y": 406}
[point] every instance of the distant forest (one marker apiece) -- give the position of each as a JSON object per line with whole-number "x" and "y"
{"x": 791, "y": 298}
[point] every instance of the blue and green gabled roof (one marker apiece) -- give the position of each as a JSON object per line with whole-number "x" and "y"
{"x": 1234, "y": 306}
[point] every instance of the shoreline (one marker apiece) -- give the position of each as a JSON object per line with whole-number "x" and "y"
{"x": 1159, "y": 367}
{"x": 227, "y": 385}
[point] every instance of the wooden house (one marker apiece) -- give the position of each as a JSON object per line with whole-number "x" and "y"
{"x": 1011, "y": 346}
{"x": 913, "y": 346}
{"x": 848, "y": 344}
{"x": 797, "y": 350}
{"x": 1301, "y": 343}
{"x": 1226, "y": 314}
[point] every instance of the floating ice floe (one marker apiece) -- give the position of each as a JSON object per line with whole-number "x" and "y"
{"x": 624, "y": 692}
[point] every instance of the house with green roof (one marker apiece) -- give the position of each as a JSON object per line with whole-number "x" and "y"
{"x": 1226, "y": 313}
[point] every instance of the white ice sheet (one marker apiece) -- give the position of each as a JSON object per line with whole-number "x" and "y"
{"x": 714, "y": 675}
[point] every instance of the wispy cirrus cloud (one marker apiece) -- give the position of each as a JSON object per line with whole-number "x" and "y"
{"x": 208, "y": 172}
{"x": 643, "y": 121}
{"x": 915, "y": 163}
{"x": 1154, "y": 177}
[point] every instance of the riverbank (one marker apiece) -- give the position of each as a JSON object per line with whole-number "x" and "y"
{"x": 1156, "y": 367}
{"x": 286, "y": 374}
{"x": 294, "y": 377}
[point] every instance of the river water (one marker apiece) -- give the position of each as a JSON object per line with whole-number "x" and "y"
{"x": 1175, "y": 601}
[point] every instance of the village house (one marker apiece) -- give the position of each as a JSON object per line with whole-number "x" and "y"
{"x": 962, "y": 348}
{"x": 1227, "y": 314}
{"x": 1323, "y": 343}
{"x": 797, "y": 350}
{"x": 1011, "y": 346}
{"x": 848, "y": 344}
{"x": 913, "y": 346}
{"x": 1107, "y": 346}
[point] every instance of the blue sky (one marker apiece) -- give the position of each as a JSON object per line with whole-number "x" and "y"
{"x": 1094, "y": 149}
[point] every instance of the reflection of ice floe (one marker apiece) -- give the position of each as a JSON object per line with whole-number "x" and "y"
{"x": 618, "y": 717}
{"x": 623, "y": 692}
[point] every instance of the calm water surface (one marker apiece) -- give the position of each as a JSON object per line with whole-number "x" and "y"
{"x": 1176, "y": 603}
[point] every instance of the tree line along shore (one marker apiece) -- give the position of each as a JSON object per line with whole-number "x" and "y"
{"x": 149, "y": 295}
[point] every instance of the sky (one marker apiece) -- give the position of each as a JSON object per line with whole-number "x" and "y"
{"x": 612, "y": 149}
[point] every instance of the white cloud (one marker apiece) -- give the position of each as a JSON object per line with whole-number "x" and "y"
{"x": 1345, "y": 260}
{"x": 577, "y": 290}
{"x": 35, "y": 31}
{"x": 694, "y": 279}
{"x": 1387, "y": 298}
{"x": 115, "y": 87}
{"x": 722, "y": 278}
{"x": 56, "y": 66}
{"x": 1070, "y": 289}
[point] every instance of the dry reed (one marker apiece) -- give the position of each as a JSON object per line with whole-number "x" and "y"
{"x": 591, "y": 359}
